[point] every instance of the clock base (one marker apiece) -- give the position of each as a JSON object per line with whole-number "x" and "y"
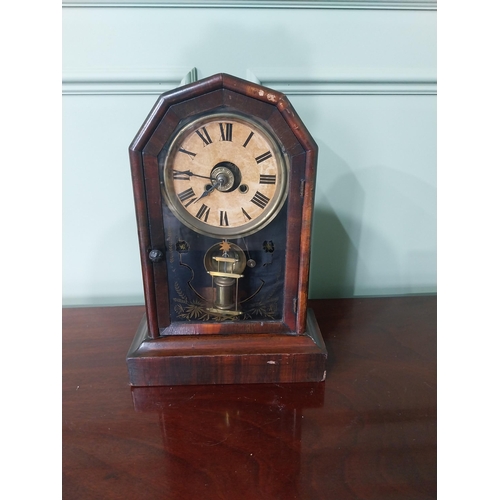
{"x": 227, "y": 359}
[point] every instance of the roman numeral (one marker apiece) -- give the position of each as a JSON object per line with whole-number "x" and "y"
{"x": 263, "y": 157}
{"x": 267, "y": 179}
{"x": 223, "y": 218}
{"x": 226, "y": 131}
{"x": 187, "y": 195}
{"x": 204, "y": 136}
{"x": 247, "y": 217}
{"x": 260, "y": 200}
{"x": 181, "y": 176}
{"x": 248, "y": 140}
{"x": 203, "y": 211}
{"x": 185, "y": 151}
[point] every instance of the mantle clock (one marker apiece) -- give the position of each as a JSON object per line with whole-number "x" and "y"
{"x": 223, "y": 176}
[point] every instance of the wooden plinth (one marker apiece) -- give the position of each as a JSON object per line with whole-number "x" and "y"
{"x": 227, "y": 359}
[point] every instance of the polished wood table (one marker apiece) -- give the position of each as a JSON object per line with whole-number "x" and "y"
{"x": 368, "y": 432}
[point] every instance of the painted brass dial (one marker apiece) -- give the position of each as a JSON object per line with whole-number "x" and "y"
{"x": 224, "y": 176}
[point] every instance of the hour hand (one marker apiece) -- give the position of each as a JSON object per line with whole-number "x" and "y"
{"x": 185, "y": 174}
{"x": 206, "y": 192}
{"x": 219, "y": 182}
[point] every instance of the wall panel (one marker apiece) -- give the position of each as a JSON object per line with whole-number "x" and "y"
{"x": 362, "y": 78}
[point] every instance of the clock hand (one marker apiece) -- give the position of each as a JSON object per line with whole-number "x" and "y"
{"x": 188, "y": 172}
{"x": 210, "y": 189}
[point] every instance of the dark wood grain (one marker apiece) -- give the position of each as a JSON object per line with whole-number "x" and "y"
{"x": 368, "y": 432}
{"x": 227, "y": 359}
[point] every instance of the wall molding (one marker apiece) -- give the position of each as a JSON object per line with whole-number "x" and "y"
{"x": 125, "y": 82}
{"x": 262, "y": 4}
{"x": 290, "y": 82}
{"x": 369, "y": 82}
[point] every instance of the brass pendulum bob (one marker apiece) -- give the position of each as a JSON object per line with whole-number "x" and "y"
{"x": 225, "y": 262}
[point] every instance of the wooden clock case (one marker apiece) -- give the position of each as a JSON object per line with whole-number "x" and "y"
{"x": 236, "y": 352}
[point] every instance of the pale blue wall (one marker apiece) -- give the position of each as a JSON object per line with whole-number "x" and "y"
{"x": 362, "y": 79}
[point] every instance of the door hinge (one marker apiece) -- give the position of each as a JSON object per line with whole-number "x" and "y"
{"x": 302, "y": 187}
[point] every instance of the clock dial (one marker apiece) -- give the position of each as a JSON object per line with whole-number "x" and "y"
{"x": 224, "y": 176}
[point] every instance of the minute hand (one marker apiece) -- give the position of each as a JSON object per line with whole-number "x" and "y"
{"x": 190, "y": 174}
